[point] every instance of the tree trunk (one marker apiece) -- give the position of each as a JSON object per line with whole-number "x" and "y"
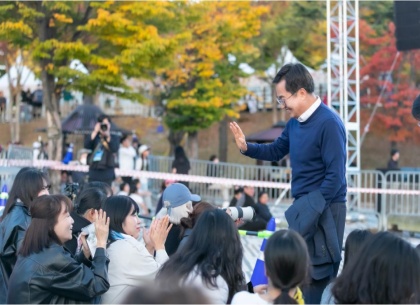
{"x": 223, "y": 139}
{"x": 10, "y": 106}
{"x": 193, "y": 145}
{"x": 15, "y": 96}
{"x": 16, "y": 119}
{"x": 50, "y": 98}
{"x": 88, "y": 99}
{"x": 175, "y": 139}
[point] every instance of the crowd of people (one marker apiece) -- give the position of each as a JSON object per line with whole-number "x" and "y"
{"x": 94, "y": 247}
{"x": 47, "y": 256}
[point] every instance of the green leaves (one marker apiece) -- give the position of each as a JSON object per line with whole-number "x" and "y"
{"x": 204, "y": 83}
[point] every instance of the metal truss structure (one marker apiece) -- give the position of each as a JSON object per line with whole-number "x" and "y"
{"x": 344, "y": 76}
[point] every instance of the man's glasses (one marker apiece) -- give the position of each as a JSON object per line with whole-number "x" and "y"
{"x": 282, "y": 100}
{"x": 47, "y": 187}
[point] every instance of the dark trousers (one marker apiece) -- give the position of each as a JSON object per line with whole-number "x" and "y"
{"x": 313, "y": 291}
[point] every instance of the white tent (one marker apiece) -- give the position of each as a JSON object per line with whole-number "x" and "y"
{"x": 28, "y": 80}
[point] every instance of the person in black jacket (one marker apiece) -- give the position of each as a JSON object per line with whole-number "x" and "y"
{"x": 88, "y": 202}
{"x": 181, "y": 164}
{"x": 45, "y": 271}
{"x": 104, "y": 146}
{"x": 393, "y": 161}
{"x": 262, "y": 213}
{"x": 29, "y": 183}
{"x": 261, "y": 209}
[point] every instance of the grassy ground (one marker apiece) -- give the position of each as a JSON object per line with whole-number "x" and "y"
{"x": 375, "y": 149}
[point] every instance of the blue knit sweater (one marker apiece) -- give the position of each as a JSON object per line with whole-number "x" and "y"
{"x": 318, "y": 155}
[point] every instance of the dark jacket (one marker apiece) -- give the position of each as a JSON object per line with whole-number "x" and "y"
{"x": 173, "y": 240}
{"x": 393, "y": 165}
{"x": 249, "y": 202}
{"x": 107, "y": 173}
{"x": 263, "y": 212}
{"x": 79, "y": 223}
{"x": 185, "y": 237}
{"x": 233, "y": 202}
{"x": 54, "y": 276}
{"x": 311, "y": 217}
{"x": 12, "y": 232}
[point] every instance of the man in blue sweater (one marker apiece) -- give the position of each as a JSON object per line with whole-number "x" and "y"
{"x": 315, "y": 138}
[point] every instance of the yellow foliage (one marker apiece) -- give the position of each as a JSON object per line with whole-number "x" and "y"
{"x": 49, "y": 67}
{"x": 63, "y": 18}
{"x": 7, "y": 28}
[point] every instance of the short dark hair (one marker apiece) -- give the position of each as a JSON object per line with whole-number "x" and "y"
{"x": 261, "y": 193}
{"x": 133, "y": 185}
{"x": 123, "y": 184}
{"x": 102, "y": 117}
{"x": 89, "y": 198}
{"x": 28, "y": 183}
{"x": 385, "y": 271}
{"x": 237, "y": 190}
{"x": 123, "y": 138}
{"x": 44, "y": 212}
{"x": 117, "y": 209}
{"x": 394, "y": 151}
{"x": 296, "y": 77}
{"x": 213, "y": 157}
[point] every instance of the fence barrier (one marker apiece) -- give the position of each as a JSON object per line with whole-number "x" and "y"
{"x": 394, "y": 195}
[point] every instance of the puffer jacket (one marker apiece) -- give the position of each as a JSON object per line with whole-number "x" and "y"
{"x": 54, "y": 276}
{"x": 12, "y": 231}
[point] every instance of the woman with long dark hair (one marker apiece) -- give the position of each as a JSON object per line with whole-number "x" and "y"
{"x": 211, "y": 259}
{"x": 385, "y": 271}
{"x": 286, "y": 261}
{"x": 29, "y": 183}
{"x": 45, "y": 271}
{"x": 354, "y": 242}
{"x": 132, "y": 262}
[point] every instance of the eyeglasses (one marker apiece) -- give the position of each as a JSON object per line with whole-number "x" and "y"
{"x": 282, "y": 100}
{"x": 47, "y": 187}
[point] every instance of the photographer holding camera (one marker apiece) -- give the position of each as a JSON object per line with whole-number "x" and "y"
{"x": 104, "y": 146}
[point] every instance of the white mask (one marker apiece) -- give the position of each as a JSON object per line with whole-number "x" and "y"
{"x": 179, "y": 212}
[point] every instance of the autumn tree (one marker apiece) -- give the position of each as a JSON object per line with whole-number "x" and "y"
{"x": 391, "y": 80}
{"x": 14, "y": 46}
{"x": 297, "y": 26}
{"x": 204, "y": 84}
{"x": 110, "y": 39}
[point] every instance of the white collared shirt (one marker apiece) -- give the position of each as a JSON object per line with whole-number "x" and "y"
{"x": 307, "y": 114}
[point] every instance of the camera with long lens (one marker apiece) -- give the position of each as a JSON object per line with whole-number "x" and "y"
{"x": 104, "y": 127}
{"x": 246, "y": 213}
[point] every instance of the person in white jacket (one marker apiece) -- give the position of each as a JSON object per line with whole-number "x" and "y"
{"x": 126, "y": 156}
{"x": 131, "y": 261}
